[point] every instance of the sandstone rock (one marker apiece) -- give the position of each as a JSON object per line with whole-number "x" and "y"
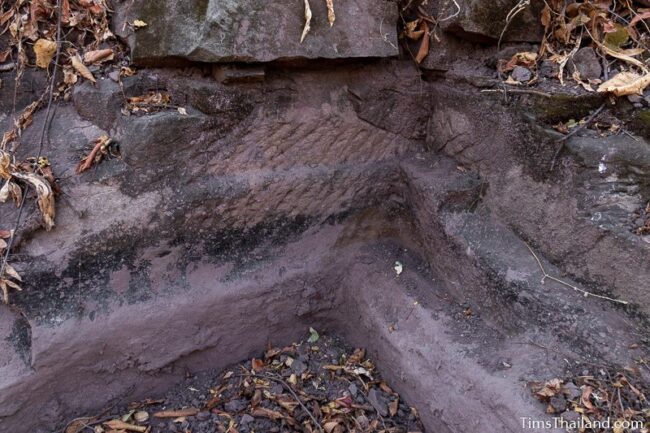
{"x": 256, "y": 30}
{"x": 587, "y": 63}
{"x": 521, "y": 74}
{"x": 484, "y": 21}
{"x": 549, "y": 69}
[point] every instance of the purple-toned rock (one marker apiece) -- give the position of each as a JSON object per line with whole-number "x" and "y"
{"x": 256, "y": 31}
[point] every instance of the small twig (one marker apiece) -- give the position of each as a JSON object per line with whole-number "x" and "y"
{"x": 579, "y": 128}
{"x": 525, "y": 91}
{"x": 454, "y": 15}
{"x": 564, "y": 283}
{"x": 519, "y": 7}
{"x": 295, "y": 396}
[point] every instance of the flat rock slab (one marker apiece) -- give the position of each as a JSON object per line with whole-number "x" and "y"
{"x": 257, "y": 30}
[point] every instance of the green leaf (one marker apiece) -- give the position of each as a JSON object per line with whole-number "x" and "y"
{"x": 313, "y": 336}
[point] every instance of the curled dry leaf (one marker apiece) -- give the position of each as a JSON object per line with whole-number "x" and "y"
{"x": 10, "y": 189}
{"x": 44, "y": 50}
{"x": 79, "y": 66}
{"x": 45, "y": 196}
{"x": 96, "y": 56}
{"x": 5, "y": 165}
{"x": 626, "y": 83}
{"x": 307, "y": 27}
{"x": 423, "y": 52}
{"x": 96, "y": 155}
{"x": 331, "y": 16}
{"x": 139, "y": 24}
{"x": 412, "y": 31}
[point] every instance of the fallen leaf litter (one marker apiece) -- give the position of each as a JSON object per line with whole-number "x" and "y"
{"x": 317, "y": 385}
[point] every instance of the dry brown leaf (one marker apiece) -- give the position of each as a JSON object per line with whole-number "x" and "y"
{"x": 95, "y": 155}
{"x": 5, "y": 165}
{"x": 5, "y": 234}
{"x": 626, "y": 56}
{"x": 44, "y": 50}
{"x": 330, "y": 426}
{"x": 176, "y": 413}
{"x": 3, "y": 244}
{"x": 77, "y": 425}
{"x": 626, "y": 83}
{"x": 45, "y": 197}
{"x": 5, "y": 291}
{"x": 423, "y": 52}
{"x": 549, "y": 389}
{"x": 79, "y": 66}
{"x": 257, "y": 364}
{"x": 117, "y": 424}
{"x": 4, "y": 55}
{"x": 586, "y": 393}
{"x": 10, "y": 189}
{"x": 267, "y": 413}
{"x": 98, "y": 56}
{"x": 307, "y": 27}
{"x": 10, "y": 271}
{"x": 331, "y": 16}
{"x": 392, "y": 407}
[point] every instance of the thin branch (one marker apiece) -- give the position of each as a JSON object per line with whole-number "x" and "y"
{"x": 571, "y": 286}
{"x": 519, "y": 7}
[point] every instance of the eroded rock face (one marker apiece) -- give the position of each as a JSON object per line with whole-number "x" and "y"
{"x": 284, "y": 202}
{"x": 484, "y": 21}
{"x": 258, "y": 30}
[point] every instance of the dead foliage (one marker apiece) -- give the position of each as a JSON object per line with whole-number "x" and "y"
{"x": 314, "y": 386}
{"x": 16, "y": 178}
{"x": 617, "y": 30}
{"x": 101, "y": 149}
{"x": 149, "y": 103}
{"x": 419, "y": 29}
{"x": 593, "y": 399}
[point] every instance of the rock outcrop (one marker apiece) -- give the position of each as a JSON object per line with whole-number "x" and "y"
{"x": 282, "y": 196}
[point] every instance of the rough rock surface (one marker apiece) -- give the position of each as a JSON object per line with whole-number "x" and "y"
{"x": 284, "y": 203}
{"x": 257, "y": 30}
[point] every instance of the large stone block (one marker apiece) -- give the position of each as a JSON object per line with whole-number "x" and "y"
{"x": 484, "y": 20}
{"x": 257, "y": 30}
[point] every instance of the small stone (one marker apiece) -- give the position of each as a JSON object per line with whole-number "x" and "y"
{"x": 298, "y": 367}
{"x": 114, "y": 75}
{"x": 377, "y": 402}
{"x": 246, "y": 419}
{"x": 571, "y": 391}
{"x": 234, "y": 406}
{"x": 141, "y": 416}
{"x": 353, "y": 390}
{"x": 558, "y": 403}
{"x": 549, "y": 69}
{"x": 203, "y": 416}
{"x": 587, "y": 63}
{"x": 634, "y": 98}
{"x": 521, "y": 74}
{"x": 571, "y": 417}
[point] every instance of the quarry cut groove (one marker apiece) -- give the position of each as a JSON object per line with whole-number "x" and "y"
{"x": 283, "y": 194}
